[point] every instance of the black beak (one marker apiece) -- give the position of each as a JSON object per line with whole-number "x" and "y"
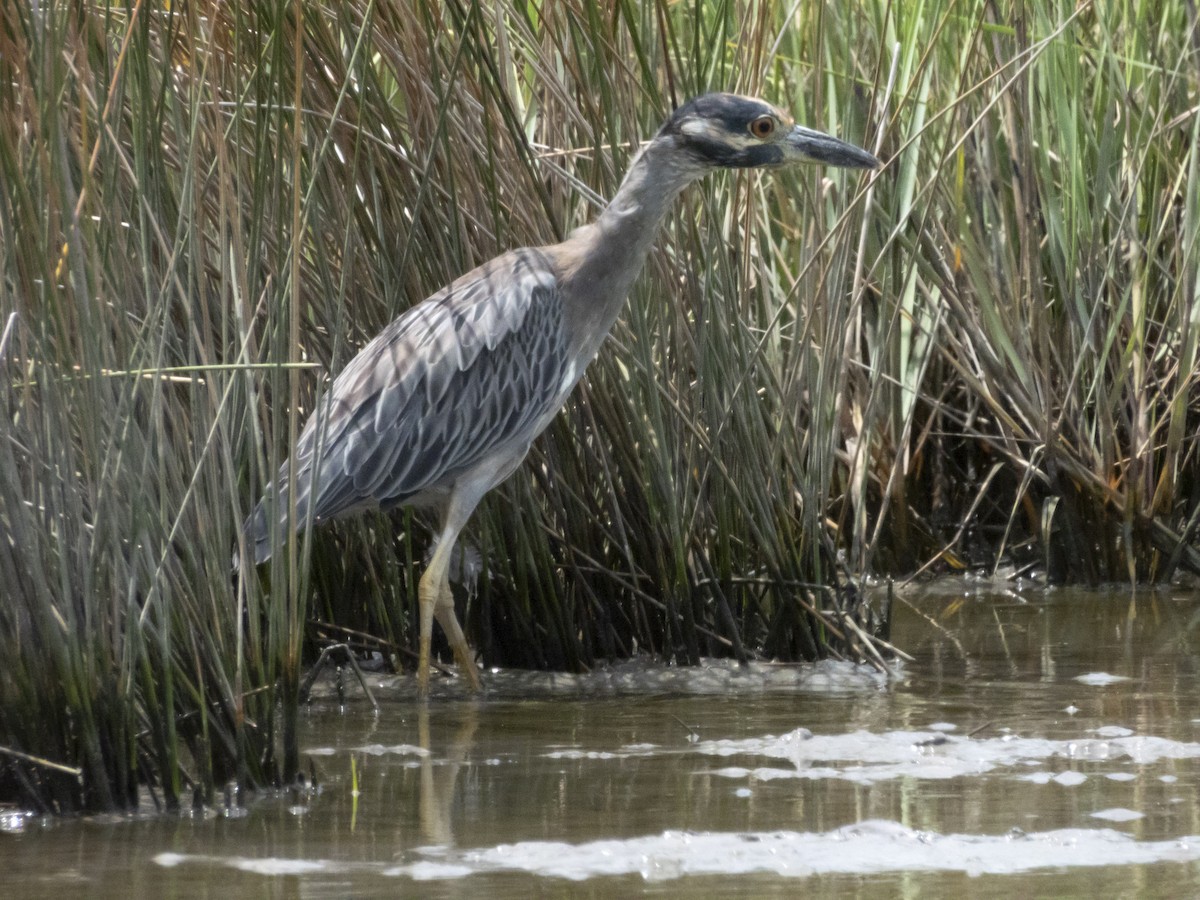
{"x": 806, "y": 145}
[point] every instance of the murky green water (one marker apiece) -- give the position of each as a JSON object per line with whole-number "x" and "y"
{"x": 1042, "y": 744}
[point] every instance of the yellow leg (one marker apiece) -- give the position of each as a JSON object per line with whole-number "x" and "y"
{"x": 436, "y": 600}
{"x": 427, "y": 595}
{"x": 458, "y": 641}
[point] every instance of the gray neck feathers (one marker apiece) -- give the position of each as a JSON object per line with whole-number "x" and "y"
{"x": 601, "y": 260}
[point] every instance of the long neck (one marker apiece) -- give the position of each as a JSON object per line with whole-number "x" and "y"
{"x": 604, "y": 258}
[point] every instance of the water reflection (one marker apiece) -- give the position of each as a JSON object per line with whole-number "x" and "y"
{"x": 1039, "y": 742}
{"x": 439, "y": 779}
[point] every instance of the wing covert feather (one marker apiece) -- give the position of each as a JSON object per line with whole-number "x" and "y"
{"x": 470, "y": 370}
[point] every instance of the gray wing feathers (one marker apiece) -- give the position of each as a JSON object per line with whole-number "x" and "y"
{"x": 473, "y": 368}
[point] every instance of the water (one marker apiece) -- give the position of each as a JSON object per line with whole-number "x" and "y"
{"x": 1041, "y": 744}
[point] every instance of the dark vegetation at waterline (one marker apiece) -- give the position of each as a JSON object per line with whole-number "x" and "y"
{"x": 986, "y": 359}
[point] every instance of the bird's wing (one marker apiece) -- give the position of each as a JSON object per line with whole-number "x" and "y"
{"x": 471, "y": 370}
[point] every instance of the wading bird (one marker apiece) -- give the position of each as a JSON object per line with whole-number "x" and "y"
{"x": 443, "y": 404}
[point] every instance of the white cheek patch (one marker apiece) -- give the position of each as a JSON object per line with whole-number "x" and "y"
{"x": 697, "y": 128}
{"x": 707, "y": 129}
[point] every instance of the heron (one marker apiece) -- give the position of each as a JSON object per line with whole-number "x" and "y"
{"x": 443, "y": 404}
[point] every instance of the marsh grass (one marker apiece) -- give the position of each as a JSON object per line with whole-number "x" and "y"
{"x": 985, "y": 358}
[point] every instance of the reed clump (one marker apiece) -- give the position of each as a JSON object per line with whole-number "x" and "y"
{"x": 987, "y": 359}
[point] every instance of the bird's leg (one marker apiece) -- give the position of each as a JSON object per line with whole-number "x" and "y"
{"x": 427, "y": 595}
{"x": 454, "y": 633}
{"x": 436, "y": 599}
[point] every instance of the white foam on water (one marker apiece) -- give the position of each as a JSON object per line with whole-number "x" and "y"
{"x": 866, "y": 757}
{"x": 1119, "y": 814}
{"x": 867, "y": 848}
{"x": 1099, "y": 679}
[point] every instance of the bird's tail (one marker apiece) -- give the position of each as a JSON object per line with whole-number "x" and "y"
{"x": 257, "y": 537}
{"x": 256, "y": 530}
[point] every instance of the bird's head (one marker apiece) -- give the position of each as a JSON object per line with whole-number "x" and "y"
{"x": 734, "y": 132}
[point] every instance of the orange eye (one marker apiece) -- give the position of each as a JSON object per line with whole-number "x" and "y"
{"x": 762, "y": 127}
